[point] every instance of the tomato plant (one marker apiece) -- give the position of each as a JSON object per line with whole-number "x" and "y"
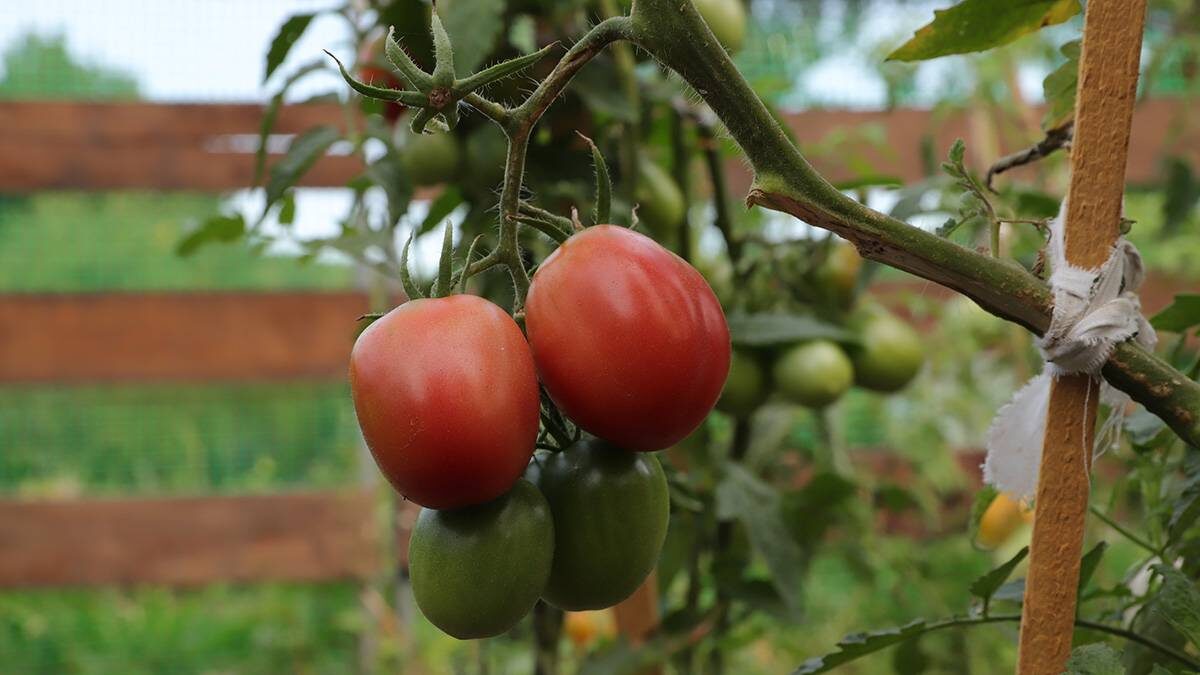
{"x": 813, "y": 374}
{"x": 628, "y": 338}
{"x": 447, "y": 399}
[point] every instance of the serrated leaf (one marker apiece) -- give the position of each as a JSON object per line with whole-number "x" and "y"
{"x": 857, "y": 645}
{"x": 978, "y": 25}
{"x": 742, "y": 496}
{"x": 1095, "y": 659}
{"x": 1178, "y": 603}
{"x": 303, "y": 152}
{"x": 1180, "y": 315}
{"x": 289, "y": 32}
{"x": 986, "y": 586}
{"x": 474, "y": 27}
{"x": 1089, "y": 563}
{"x": 760, "y": 330}
{"x": 222, "y": 229}
{"x": 1059, "y": 88}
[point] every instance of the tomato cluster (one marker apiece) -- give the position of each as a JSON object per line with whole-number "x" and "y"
{"x": 884, "y": 354}
{"x": 629, "y": 342}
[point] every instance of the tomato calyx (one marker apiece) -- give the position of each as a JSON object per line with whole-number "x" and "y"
{"x": 436, "y": 94}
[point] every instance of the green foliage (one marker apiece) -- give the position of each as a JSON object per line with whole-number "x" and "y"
{"x": 760, "y": 330}
{"x": 1179, "y": 603}
{"x": 855, "y": 646}
{"x": 1181, "y": 194}
{"x": 303, "y": 152}
{"x": 757, "y": 506}
{"x": 1095, "y": 659}
{"x": 978, "y": 25}
{"x": 986, "y": 586}
{"x": 215, "y": 229}
{"x": 1059, "y": 88}
{"x": 288, "y": 34}
{"x": 474, "y": 27}
{"x": 1181, "y": 315}
{"x": 38, "y": 67}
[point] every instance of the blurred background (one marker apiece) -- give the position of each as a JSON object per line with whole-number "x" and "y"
{"x": 183, "y": 488}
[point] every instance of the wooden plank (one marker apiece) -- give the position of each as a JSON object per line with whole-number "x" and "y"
{"x": 186, "y": 336}
{"x": 177, "y": 336}
{"x": 188, "y": 541}
{"x": 1108, "y": 76}
{"x": 47, "y": 145}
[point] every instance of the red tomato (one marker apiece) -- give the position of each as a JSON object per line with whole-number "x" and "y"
{"x": 447, "y": 398}
{"x": 628, "y": 338}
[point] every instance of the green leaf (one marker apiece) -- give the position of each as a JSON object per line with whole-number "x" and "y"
{"x": 978, "y": 25}
{"x": 1059, "y": 89}
{"x": 857, "y": 645}
{"x": 813, "y": 509}
{"x": 742, "y": 496}
{"x": 986, "y": 586}
{"x": 1182, "y": 192}
{"x": 303, "y": 152}
{"x": 450, "y": 198}
{"x": 1088, "y": 564}
{"x": 1181, "y": 315}
{"x": 289, "y": 32}
{"x": 474, "y": 27}
{"x": 760, "y": 330}
{"x": 1095, "y": 659}
{"x": 1178, "y": 603}
{"x": 223, "y": 229}
{"x": 271, "y": 112}
{"x": 287, "y": 208}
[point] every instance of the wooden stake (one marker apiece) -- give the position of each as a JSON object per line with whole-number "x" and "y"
{"x": 1108, "y": 74}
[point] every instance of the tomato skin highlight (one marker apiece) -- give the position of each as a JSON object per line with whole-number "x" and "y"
{"x": 628, "y": 338}
{"x": 477, "y": 571}
{"x": 447, "y": 399}
{"x": 611, "y": 509}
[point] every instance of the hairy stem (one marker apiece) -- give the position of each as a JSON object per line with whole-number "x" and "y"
{"x": 784, "y": 181}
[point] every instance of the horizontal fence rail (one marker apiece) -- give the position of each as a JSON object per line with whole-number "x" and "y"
{"x": 188, "y": 541}
{"x": 47, "y": 145}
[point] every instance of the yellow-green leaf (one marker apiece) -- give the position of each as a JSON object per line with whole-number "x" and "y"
{"x": 978, "y": 25}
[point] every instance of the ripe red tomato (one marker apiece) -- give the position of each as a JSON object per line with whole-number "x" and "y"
{"x": 628, "y": 338}
{"x": 447, "y": 398}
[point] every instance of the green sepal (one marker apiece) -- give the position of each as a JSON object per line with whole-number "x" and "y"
{"x": 443, "y": 69}
{"x": 500, "y": 71}
{"x": 603, "y": 210}
{"x": 422, "y": 119}
{"x": 462, "y": 275}
{"x": 446, "y": 264}
{"x": 410, "y": 289}
{"x": 408, "y": 70}
{"x": 409, "y": 98}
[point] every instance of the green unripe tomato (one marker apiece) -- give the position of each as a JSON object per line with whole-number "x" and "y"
{"x": 839, "y": 273}
{"x": 891, "y": 354}
{"x": 727, "y": 19}
{"x": 745, "y": 388}
{"x": 660, "y": 203}
{"x": 477, "y": 571}
{"x": 813, "y": 374}
{"x": 431, "y": 159}
{"x": 610, "y": 509}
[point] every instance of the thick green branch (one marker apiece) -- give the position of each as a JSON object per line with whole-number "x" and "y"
{"x": 674, "y": 33}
